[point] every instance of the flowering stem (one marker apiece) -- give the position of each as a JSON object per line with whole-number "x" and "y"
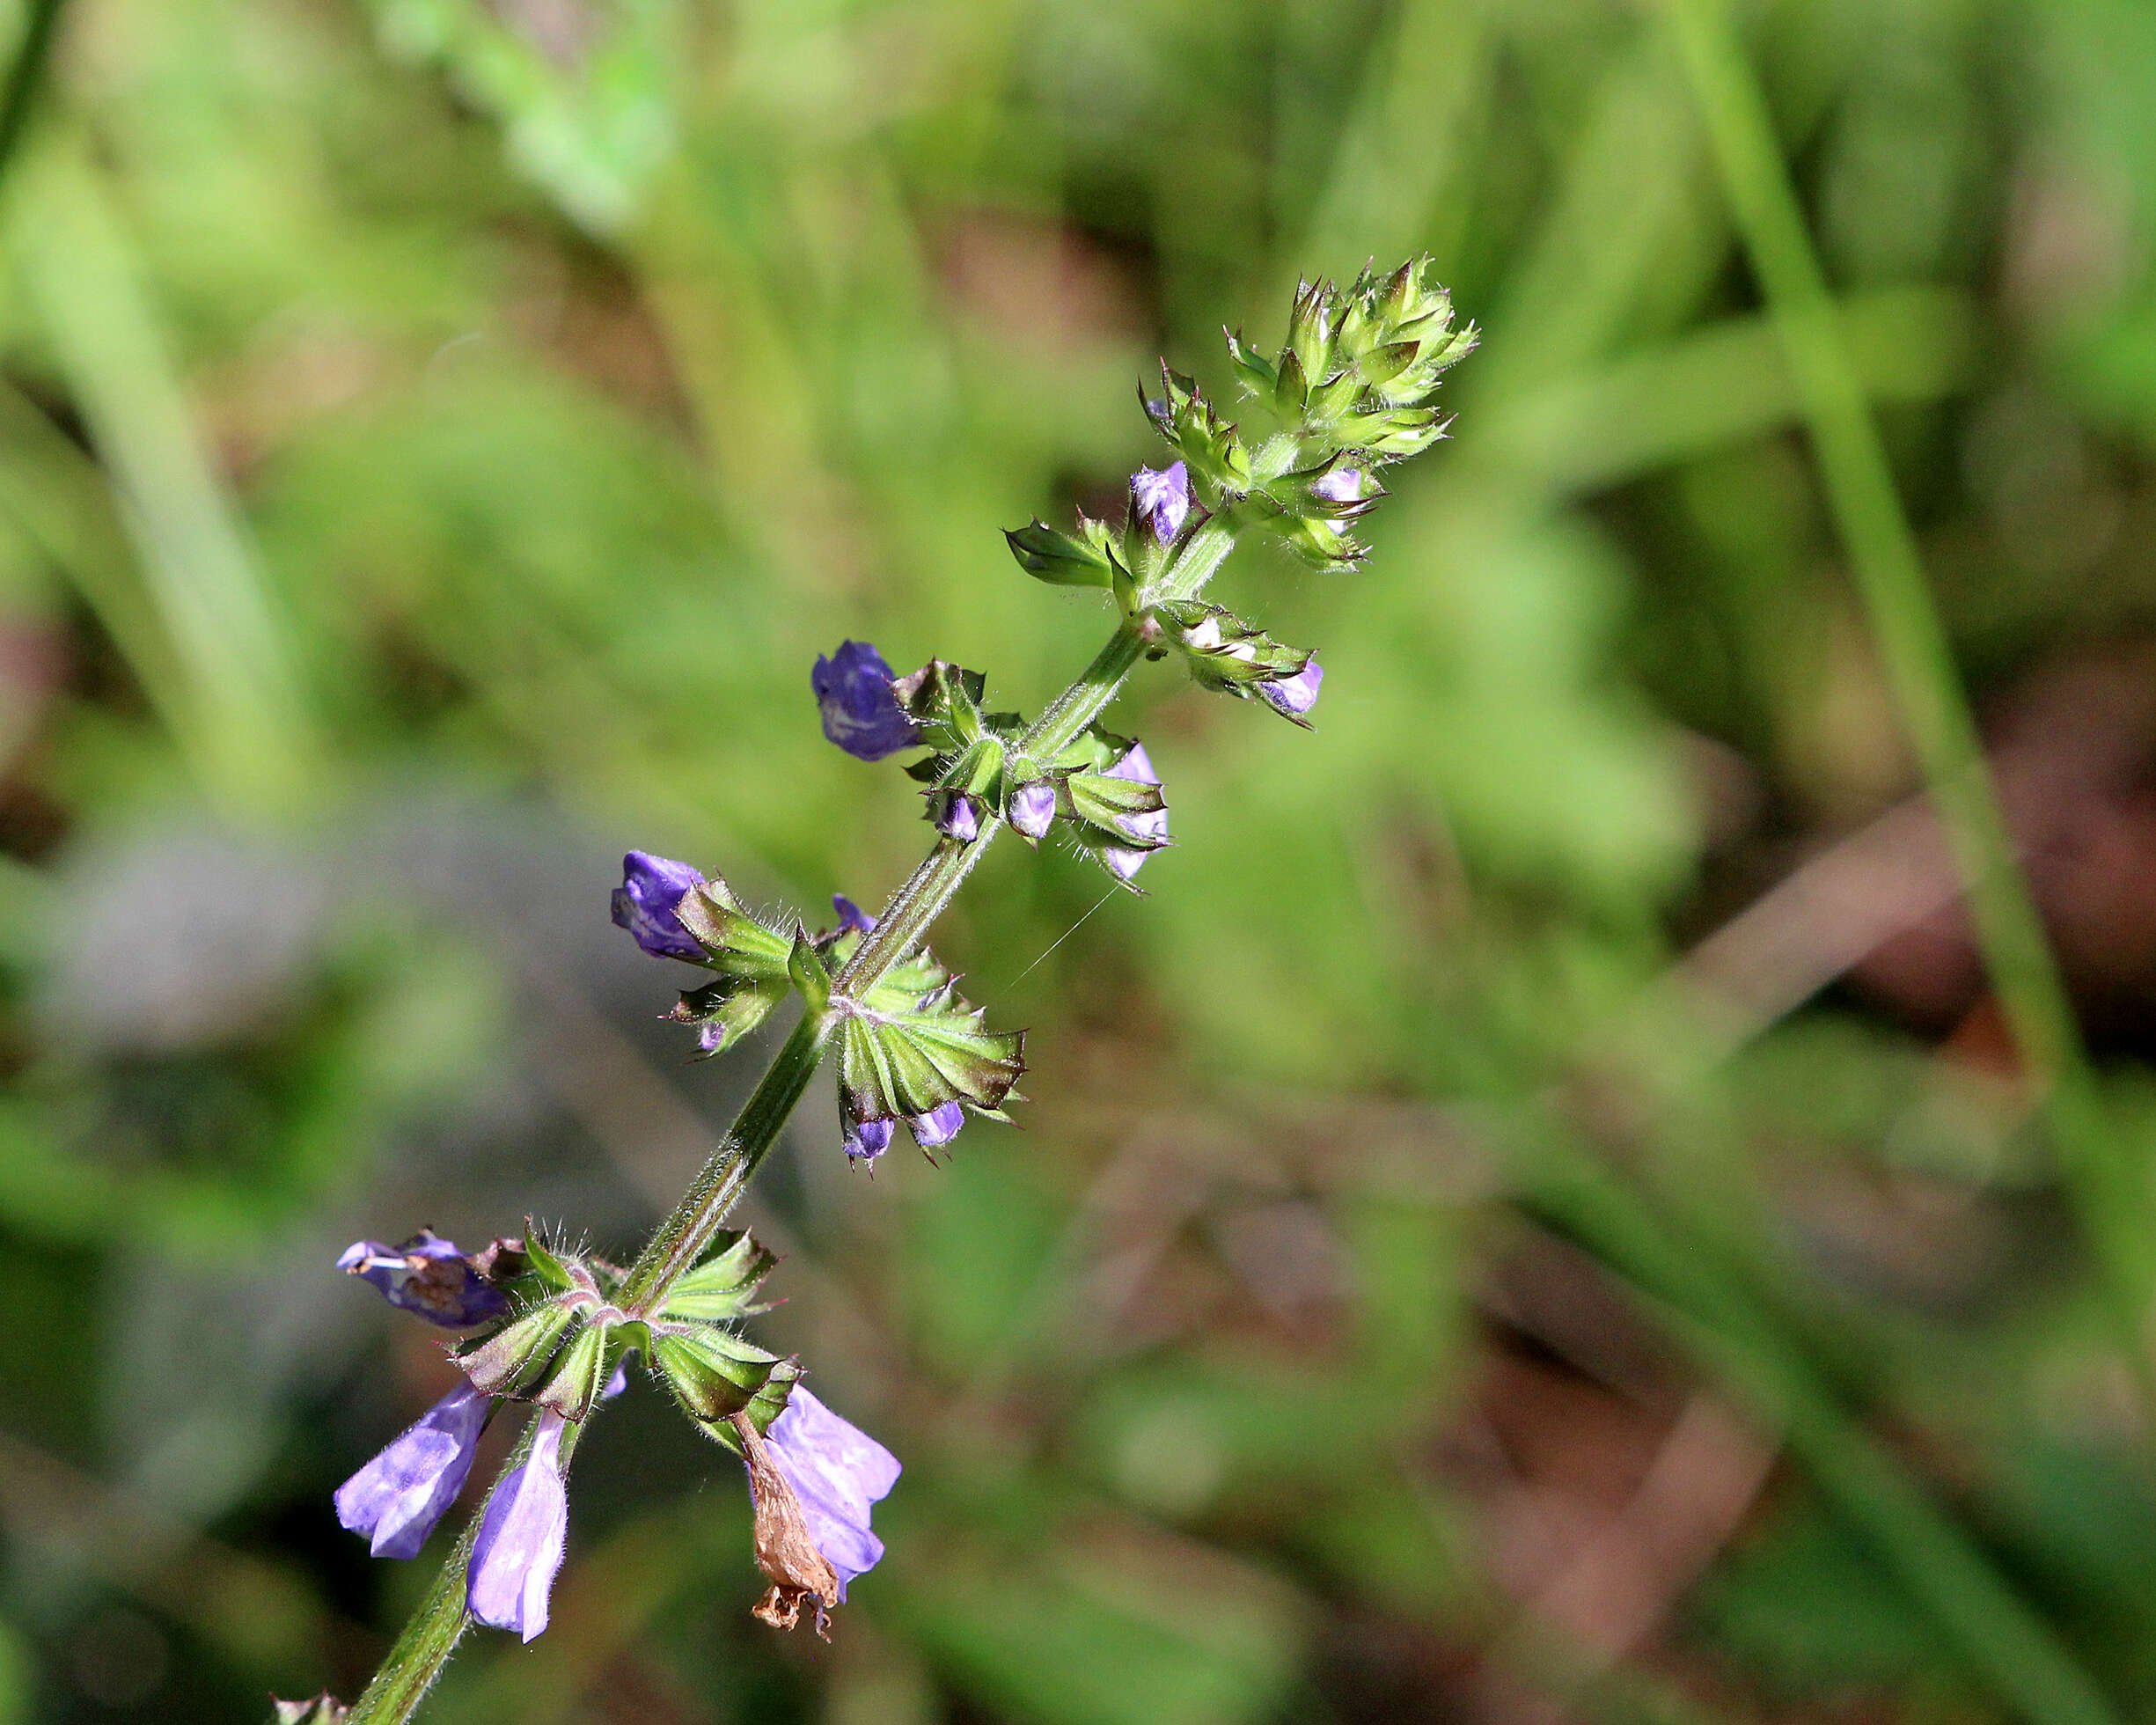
{"x": 403, "y": 1678}
{"x": 905, "y": 923}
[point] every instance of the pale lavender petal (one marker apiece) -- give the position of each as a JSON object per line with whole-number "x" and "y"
{"x": 938, "y": 1126}
{"x": 521, "y": 1539}
{"x": 1163, "y": 500}
{"x": 1032, "y": 808}
{"x": 1295, "y": 695}
{"x": 838, "y": 1471}
{"x": 395, "y": 1500}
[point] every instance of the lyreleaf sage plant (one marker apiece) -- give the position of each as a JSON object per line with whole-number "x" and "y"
{"x": 551, "y": 1328}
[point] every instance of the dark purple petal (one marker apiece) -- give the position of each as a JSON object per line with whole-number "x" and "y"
{"x": 395, "y": 1500}
{"x": 861, "y": 710}
{"x": 837, "y": 1471}
{"x": 852, "y": 918}
{"x": 518, "y": 1550}
{"x": 1032, "y": 808}
{"x": 1136, "y": 765}
{"x": 938, "y": 1126}
{"x": 1293, "y": 695}
{"x": 1163, "y": 500}
{"x": 427, "y": 1275}
{"x": 651, "y": 887}
{"x": 866, "y": 1139}
{"x": 956, "y": 815}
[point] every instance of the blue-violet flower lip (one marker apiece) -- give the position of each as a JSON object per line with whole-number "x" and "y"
{"x": 427, "y": 1275}
{"x": 1163, "y": 500}
{"x": 866, "y": 1139}
{"x": 645, "y": 902}
{"x": 521, "y": 1539}
{"x": 1293, "y": 695}
{"x": 852, "y": 918}
{"x": 837, "y": 1471}
{"x": 861, "y": 709}
{"x": 938, "y": 1126}
{"x": 395, "y": 1500}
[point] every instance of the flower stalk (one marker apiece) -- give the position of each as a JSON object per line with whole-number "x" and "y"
{"x": 1349, "y": 392}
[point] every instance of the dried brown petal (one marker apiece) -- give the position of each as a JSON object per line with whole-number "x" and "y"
{"x": 800, "y": 1574}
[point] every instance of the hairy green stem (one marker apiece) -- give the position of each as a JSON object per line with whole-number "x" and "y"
{"x": 2102, "y": 1182}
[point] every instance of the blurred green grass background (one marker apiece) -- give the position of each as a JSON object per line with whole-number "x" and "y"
{"x": 1533, "y": 1218}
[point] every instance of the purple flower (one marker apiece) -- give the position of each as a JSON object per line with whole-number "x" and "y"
{"x": 518, "y": 1550}
{"x": 644, "y": 903}
{"x": 861, "y": 710}
{"x": 1163, "y": 500}
{"x": 428, "y": 1275}
{"x": 852, "y": 918}
{"x": 956, "y": 814}
{"x": 1293, "y": 697}
{"x": 837, "y": 1471}
{"x": 1136, "y": 765}
{"x": 1032, "y": 809}
{"x": 867, "y": 1140}
{"x": 938, "y": 1126}
{"x": 396, "y": 1498}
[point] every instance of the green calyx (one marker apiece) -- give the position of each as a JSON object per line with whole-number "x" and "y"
{"x": 914, "y": 1044}
{"x": 752, "y": 960}
{"x": 711, "y": 1369}
{"x": 1223, "y": 652}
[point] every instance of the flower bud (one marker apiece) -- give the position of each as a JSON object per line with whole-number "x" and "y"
{"x": 1032, "y": 809}
{"x": 860, "y": 709}
{"x": 956, "y": 814}
{"x": 938, "y": 1126}
{"x": 645, "y": 904}
{"x": 1161, "y": 501}
{"x": 1291, "y": 697}
{"x": 1137, "y": 767}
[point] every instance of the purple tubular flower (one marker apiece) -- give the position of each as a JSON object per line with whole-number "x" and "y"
{"x": 837, "y": 1471}
{"x": 1294, "y": 696}
{"x": 1032, "y": 809}
{"x": 956, "y": 814}
{"x": 395, "y": 1500}
{"x": 861, "y": 711}
{"x": 1136, "y": 765}
{"x": 852, "y": 918}
{"x": 1163, "y": 500}
{"x": 518, "y": 1550}
{"x": 428, "y": 1275}
{"x": 867, "y": 1140}
{"x": 644, "y": 903}
{"x": 938, "y": 1126}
